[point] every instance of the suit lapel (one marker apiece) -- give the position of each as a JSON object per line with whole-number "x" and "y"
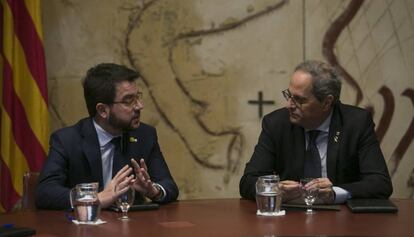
{"x": 133, "y": 145}
{"x": 127, "y": 142}
{"x": 334, "y": 141}
{"x": 91, "y": 149}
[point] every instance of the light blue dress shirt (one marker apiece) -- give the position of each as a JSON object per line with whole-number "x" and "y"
{"x": 107, "y": 152}
{"x": 341, "y": 195}
{"x": 107, "y": 155}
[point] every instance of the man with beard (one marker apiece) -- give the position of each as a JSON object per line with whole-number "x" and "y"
{"x": 111, "y": 147}
{"x": 343, "y": 153}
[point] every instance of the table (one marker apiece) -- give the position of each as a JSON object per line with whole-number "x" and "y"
{"x": 223, "y": 217}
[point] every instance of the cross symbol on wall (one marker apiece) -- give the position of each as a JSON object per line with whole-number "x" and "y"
{"x": 260, "y": 102}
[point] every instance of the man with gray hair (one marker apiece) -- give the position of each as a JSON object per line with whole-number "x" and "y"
{"x": 317, "y": 136}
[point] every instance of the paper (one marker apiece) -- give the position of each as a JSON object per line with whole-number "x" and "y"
{"x": 97, "y": 222}
{"x": 280, "y": 213}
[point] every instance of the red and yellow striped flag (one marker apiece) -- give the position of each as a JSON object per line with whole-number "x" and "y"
{"x": 24, "y": 112}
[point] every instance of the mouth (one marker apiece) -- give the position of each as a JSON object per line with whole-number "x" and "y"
{"x": 135, "y": 118}
{"x": 293, "y": 116}
{"x": 136, "y": 115}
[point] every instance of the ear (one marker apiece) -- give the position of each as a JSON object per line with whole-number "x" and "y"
{"x": 327, "y": 103}
{"x": 102, "y": 110}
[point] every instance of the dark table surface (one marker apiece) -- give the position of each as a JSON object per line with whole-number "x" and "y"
{"x": 223, "y": 217}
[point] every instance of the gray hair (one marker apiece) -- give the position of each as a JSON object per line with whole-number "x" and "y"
{"x": 325, "y": 79}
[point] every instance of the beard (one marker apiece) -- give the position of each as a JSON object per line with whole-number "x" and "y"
{"x": 124, "y": 125}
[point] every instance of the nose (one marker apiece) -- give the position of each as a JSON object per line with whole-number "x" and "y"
{"x": 290, "y": 104}
{"x": 138, "y": 105}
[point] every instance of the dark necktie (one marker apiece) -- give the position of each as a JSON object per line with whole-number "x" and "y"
{"x": 313, "y": 167}
{"x": 117, "y": 161}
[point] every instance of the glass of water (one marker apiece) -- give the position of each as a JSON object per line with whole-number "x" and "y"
{"x": 268, "y": 195}
{"x": 84, "y": 200}
{"x": 309, "y": 193}
{"x": 125, "y": 201}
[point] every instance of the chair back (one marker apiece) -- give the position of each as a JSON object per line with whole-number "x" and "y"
{"x": 29, "y": 189}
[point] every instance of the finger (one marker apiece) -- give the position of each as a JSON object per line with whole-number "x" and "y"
{"x": 138, "y": 168}
{"x": 148, "y": 185}
{"x": 140, "y": 173}
{"x": 145, "y": 174}
{"x": 140, "y": 179}
{"x": 288, "y": 182}
{"x": 135, "y": 165}
{"x": 122, "y": 183}
{"x": 312, "y": 185}
{"x": 122, "y": 190}
{"x": 325, "y": 186}
{"x": 290, "y": 186}
{"x": 124, "y": 172}
{"x": 325, "y": 190}
{"x": 324, "y": 182}
{"x": 143, "y": 165}
{"x": 125, "y": 182}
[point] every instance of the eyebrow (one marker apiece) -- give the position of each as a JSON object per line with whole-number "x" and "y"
{"x": 132, "y": 94}
{"x": 296, "y": 96}
{"x": 127, "y": 97}
{"x": 299, "y": 97}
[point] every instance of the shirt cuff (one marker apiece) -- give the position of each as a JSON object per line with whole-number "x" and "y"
{"x": 163, "y": 192}
{"x": 341, "y": 195}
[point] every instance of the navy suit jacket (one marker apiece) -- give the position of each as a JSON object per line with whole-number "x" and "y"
{"x": 354, "y": 158}
{"x": 75, "y": 157}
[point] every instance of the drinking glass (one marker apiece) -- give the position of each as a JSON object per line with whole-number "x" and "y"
{"x": 268, "y": 195}
{"x": 84, "y": 200}
{"x": 309, "y": 194}
{"x": 125, "y": 201}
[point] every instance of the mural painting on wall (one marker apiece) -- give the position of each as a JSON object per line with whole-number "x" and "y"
{"x": 196, "y": 108}
{"x": 211, "y": 69}
{"x": 382, "y": 127}
{"x": 171, "y": 45}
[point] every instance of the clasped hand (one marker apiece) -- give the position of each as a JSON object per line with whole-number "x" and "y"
{"x": 291, "y": 190}
{"x": 125, "y": 178}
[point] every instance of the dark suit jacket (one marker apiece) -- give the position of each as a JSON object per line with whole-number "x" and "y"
{"x": 75, "y": 157}
{"x": 354, "y": 158}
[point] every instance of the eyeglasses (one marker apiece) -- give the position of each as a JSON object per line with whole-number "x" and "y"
{"x": 296, "y": 100}
{"x": 130, "y": 100}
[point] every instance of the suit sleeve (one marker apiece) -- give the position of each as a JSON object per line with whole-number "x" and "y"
{"x": 51, "y": 192}
{"x": 374, "y": 180}
{"x": 261, "y": 162}
{"x": 159, "y": 172}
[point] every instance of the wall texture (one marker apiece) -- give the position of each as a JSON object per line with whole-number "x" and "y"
{"x": 205, "y": 63}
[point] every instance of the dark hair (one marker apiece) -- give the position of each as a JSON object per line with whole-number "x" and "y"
{"x": 99, "y": 83}
{"x": 325, "y": 79}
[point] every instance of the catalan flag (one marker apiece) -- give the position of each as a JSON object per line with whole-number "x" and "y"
{"x": 24, "y": 112}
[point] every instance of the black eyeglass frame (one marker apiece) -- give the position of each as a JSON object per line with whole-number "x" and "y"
{"x": 297, "y": 101}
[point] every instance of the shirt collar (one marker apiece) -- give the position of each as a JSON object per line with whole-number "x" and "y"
{"x": 324, "y": 127}
{"x": 104, "y": 137}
